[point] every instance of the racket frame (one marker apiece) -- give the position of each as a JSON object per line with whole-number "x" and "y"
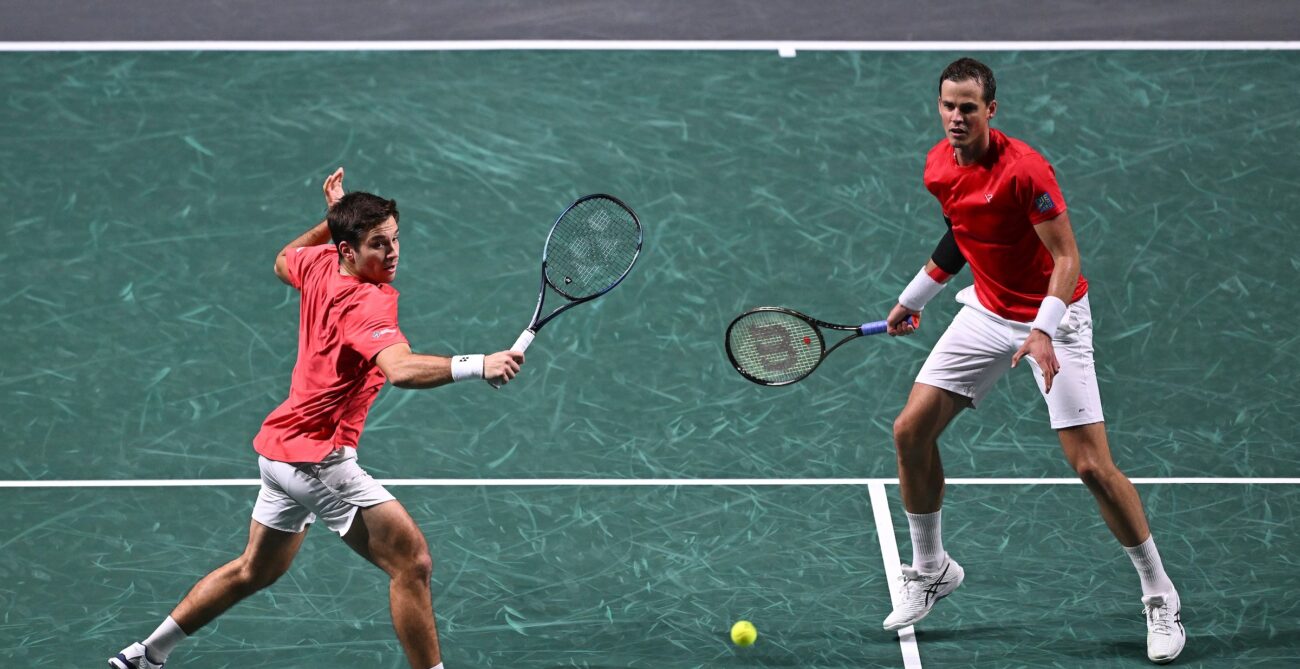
{"x": 537, "y": 321}
{"x": 865, "y": 329}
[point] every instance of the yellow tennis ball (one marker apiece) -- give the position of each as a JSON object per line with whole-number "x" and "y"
{"x": 743, "y": 633}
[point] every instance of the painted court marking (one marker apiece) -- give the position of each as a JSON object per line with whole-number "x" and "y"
{"x": 893, "y": 568}
{"x": 786, "y": 49}
{"x": 181, "y": 483}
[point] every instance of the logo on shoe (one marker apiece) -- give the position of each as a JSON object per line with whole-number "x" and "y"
{"x": 933, "y": 589}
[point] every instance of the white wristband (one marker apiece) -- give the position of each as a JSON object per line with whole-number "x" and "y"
{"x": 1050, "y": 313}
{"x": 466, "y": 367}
{"x": 920, "y": 291}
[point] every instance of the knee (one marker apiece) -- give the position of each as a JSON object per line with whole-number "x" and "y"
{"x": 1094, "y": 474}
{"x": 909, "y": 436}
{"x": 254, "y": 575}
{"x": 417, "y": 568}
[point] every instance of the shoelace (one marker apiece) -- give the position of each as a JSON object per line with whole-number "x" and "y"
{"x": 908, "y": 582}
{"x": 1158, "y": 617}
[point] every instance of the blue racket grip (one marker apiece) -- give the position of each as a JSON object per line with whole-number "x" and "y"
{"x": 878, "y": 327}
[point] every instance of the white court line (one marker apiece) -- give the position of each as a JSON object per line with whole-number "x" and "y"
{"x": 181, "y": 483}
{"x": 893, "y": 568}
{"x": 655, "y": 45}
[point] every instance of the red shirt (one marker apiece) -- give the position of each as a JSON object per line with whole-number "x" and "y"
{"x": 994, "y": 205}
{"x": 343, "y": 324}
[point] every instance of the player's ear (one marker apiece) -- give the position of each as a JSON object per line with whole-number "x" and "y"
{"x": 993, "y": 108}
{"x": 347, "y": 253}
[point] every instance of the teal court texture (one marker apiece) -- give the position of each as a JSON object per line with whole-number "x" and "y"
{"x": 630, "y": 496}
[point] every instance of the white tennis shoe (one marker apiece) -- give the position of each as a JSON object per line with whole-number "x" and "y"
{"x": 133, "y": 657}
{"x": 919, "y": 592}
{"x": 1165, "y": 633}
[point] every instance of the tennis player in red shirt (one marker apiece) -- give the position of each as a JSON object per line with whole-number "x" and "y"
{"x": 349, "y": 343}
{"x": 1006, "y": 217}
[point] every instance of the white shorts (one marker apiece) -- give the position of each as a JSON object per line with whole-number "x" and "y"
{"x": 976, "y": 351}
{"x": 293, "y": 494}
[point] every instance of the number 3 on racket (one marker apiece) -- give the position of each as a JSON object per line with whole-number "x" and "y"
{"x": 590, "y": 249}
{"x": 775, "y": 346}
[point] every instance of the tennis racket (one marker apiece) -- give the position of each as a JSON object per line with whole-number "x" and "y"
{"x": 590, "y": 249}
{"x": 775, "y": 346}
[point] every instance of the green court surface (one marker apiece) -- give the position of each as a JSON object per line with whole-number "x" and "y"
{"x": 146, "y": 337}
{"x": 569, "y": 576}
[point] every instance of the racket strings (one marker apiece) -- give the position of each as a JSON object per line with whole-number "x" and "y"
{"x": 591, "y": 248}
{"x": 774, "y": 347}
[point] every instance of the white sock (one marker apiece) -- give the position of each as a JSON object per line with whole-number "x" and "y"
{"x": 163, "y": 640}
{"x": 436, "y": 666}
{"x": 1146, "y": 559}
{"x": 927, "y": 540}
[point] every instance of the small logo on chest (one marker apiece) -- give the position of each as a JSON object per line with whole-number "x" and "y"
{"x": 988, "y": 197}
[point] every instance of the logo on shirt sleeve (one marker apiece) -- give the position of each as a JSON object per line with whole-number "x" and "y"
{"x": 1044, "y": 203}
{"x": 383, "y": 332}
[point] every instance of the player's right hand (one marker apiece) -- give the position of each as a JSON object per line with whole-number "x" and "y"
{"x": 902, "y": 321}
{"x": 502, "y": 366}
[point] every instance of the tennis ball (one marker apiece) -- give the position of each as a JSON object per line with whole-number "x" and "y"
{"x": 743, "y": 633}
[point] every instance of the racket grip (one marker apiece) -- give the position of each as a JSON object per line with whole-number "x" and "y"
{"x": 874, "y": 327}
{"x": 522, "y": 343}
{"x": 879, "y": 327}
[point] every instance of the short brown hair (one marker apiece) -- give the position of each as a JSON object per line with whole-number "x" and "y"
{"x": 969, "y": 69}
{"x": 357, "y": 213}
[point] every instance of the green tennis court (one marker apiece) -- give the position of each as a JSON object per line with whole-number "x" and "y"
{"x": 587, "y": 522}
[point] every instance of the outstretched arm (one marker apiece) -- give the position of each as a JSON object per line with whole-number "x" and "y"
{"x": 319, "y": 234}
{"x": 407, "y": 369}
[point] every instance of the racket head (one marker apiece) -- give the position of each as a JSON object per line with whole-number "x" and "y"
{"x": 774, "y": 346}
{"x": 591, "y": 247}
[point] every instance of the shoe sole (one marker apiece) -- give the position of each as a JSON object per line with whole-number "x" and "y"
{"x": 1167, "y": 660}
{"x": 1171, "y": 658}
{"x": 898, "y": 626}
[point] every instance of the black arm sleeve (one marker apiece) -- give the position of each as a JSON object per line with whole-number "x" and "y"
{"x": 946, "y": 255}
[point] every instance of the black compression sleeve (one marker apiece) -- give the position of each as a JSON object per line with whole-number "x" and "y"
{"x": 946, "y": 254}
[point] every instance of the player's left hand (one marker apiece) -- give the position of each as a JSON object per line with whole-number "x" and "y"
{"x": 334, "y": 188}
{"x": 1039, "y": 347}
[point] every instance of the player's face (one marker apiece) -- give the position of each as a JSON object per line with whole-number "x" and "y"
{"x": 964, "y": 113}
{"x": 374, "y": 260}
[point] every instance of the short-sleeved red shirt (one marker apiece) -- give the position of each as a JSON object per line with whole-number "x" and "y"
{"x": 994, "y": 205}
{"x": 343, "y": 324}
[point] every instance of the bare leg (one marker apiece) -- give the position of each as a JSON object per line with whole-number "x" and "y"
{"x": 267, "y": 556}
{"x": 386, "y": 535}
{"x": 916, "y": 438}
{"x": 932, "y": 575}
{"x": 1088, "y": 453}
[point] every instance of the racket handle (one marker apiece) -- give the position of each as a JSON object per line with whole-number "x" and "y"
{"x": 879, "y": 327}
{"x": 874, "y": 327}
{"x": 521, "y": 345}
{"x": 525, "y": 338}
